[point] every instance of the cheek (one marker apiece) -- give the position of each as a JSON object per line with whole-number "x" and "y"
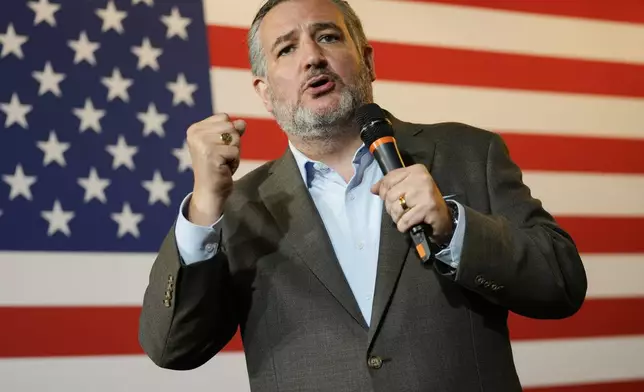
{"x": 284, "y": 88}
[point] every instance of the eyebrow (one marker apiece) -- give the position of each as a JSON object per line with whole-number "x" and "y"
{"x": 313, "y": 27}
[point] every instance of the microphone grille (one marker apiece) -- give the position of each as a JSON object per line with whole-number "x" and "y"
{"x": 373, "y": 123}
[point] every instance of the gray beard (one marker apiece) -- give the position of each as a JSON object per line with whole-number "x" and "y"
{"x": 309, "y": 126}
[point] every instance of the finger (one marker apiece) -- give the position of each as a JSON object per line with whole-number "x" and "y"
{"x": 228, "y": 153}
{"x": 219, "y": 117}
{"x": 240, "y": 126}
{"x": 397, "y": 210}
{"x": 412, "y": 217}
{"x": 394, "y": 177}
{"x": 215, "y": 132}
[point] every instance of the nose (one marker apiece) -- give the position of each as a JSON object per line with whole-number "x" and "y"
{"x": 313, "y": 55}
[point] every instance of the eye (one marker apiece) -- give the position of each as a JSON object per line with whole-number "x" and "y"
{"x": 328, "y": 38}
{"x": 285, "y": 50}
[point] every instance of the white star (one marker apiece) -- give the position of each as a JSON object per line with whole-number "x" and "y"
{"x": 44, "y": 11}
{"x": 53, "y": 150}
{"x": 176, "y": 24}
{"x": 152, "y": 121}
{"x": 112, "y": 18}
{"x": 182, "y": 91}
{"x": 127, "y": 221}
{"x": 58, "y": 219}
{"x": 183, "y": 155}
{"x": 94, "y": 186}
{"x": 49, "y": 80}
{"x": 147, "y": 55}
{"x": 12, "y": 43}
{"x": 19, "y": 183}
{"x": 158, "y": 189}
{"x": 84, "y": 49}
{"x": 117, "y": 86}
{"x": 148, "y": 2}
{"x": 16, "y": 112}
{"x": 122, "y": 153}
{"x": 89, "y": 116}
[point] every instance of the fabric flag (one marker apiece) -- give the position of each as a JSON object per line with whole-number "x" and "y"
{"x": 96, "y": 97}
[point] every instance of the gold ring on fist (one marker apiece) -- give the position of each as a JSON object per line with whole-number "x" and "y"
{"x": 403, "y": 203}
{"x": 226, "y": 138}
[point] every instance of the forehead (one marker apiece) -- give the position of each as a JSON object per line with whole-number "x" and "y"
{"x": 297, "y": 15}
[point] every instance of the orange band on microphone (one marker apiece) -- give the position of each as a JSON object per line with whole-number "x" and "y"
{"x": 421, "y": 251}
{"x": 381, "y": 141}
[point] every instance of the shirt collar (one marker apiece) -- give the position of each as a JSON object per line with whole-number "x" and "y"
{"x": 308, "y": 167}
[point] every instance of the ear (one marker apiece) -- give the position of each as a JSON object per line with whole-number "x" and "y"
{"x": 262, "y": 89}
{"x": 367, "y": 55}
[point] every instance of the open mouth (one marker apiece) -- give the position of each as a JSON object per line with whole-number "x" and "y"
{"x": 320, "y": 85}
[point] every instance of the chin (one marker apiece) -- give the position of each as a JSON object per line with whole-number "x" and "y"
{"x": 326, "y": 104}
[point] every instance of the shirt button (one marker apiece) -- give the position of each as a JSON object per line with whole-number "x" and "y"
{"x": 361, "y": 245}
{"x": 210, "y": 248}
{"x": 369, "y": 297}
{"x": 352, "y": 196}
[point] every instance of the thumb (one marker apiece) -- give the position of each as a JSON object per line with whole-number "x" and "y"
{"x": 375, "y": 188}
{"x": 240, "y": 126}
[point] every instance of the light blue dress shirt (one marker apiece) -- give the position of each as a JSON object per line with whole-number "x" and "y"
{"x": 351, "y": 216}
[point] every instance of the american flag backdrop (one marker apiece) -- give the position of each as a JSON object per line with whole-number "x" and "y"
{"x": 95, "y": 98}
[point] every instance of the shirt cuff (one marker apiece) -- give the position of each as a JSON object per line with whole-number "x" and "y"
{"x": 452, "y": 254}
{"x": 195, "y": 243}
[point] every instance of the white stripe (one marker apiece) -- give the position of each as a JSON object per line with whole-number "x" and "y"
{"x": 102, "y": 279}
{"x": 614, "y": 275}
{"x": 473, "y": 28}
{"x": 73, "y": 278}
{"x": 576, "y": 361}
{"x": 539, "y": 363}
{"x": 225, "y": 372}
{"x": 562, "y": 193}
{"x": 588, "y": 194}
{"x": 494, "y": 109}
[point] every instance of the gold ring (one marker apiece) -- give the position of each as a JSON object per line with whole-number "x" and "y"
{"x": 403, "y": 203}
{"x": 226, "y": 138}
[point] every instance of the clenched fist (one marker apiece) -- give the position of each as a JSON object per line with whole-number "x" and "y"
{"x": 214, "y": 161}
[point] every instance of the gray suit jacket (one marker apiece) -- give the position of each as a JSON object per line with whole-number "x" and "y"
{"x": 276, "y": 278}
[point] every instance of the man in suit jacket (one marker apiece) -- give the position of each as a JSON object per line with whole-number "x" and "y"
{"x": 308, "y": 254}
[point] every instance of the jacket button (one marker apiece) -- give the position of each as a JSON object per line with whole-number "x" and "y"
{"x": 374, "y": 362}
{"x": 479, "y": 280}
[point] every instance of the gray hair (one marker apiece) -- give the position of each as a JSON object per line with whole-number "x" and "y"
{"x": 255, "y": 53}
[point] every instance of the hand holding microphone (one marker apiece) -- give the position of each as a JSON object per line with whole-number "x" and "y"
{"x": 410, "y": 194}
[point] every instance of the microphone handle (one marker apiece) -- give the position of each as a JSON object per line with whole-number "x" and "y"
{"x": 388, "y": 157}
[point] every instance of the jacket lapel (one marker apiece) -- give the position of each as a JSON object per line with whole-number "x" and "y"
{"x": 289, "y": 202}
{"x": 395, "y": 246}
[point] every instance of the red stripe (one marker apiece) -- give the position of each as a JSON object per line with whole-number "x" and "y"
{"x": 81, "y": 331}
{"x": 467, "y": 67}
{"x": 264, "y": 140}
{"x": 625, "y": 386}
{"x": 597, "y": 317}
{"x": 620, "y": 11}
{"x": 605, "y": 235}
{"x": 72, "y": 331}
{"x": 573, "y": 153}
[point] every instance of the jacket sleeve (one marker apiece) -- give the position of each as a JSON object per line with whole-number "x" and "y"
{"x": 517, "y": 256}
{"x": 188, "y": 312}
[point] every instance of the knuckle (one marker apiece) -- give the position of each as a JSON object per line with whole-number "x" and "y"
{"x": 220, "y": 117}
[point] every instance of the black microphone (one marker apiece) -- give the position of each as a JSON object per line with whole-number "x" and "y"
{"x": 377, "y": 134}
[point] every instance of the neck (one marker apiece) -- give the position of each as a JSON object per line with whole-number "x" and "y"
{"x": 336, "y": 153}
